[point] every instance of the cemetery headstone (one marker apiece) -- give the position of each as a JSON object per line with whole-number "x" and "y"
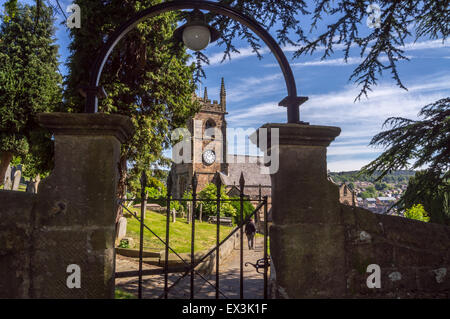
{"x": 7, "y": 182}
{"x": 201, "y": 212}
{"x": 189, "y": 212}
{"x": 16, "y": 180}
{"x": 37, "y": 180}
{"x": 174, "y": 215}
{"x": 31, "y": 187}
{"x": 121, "y": 228}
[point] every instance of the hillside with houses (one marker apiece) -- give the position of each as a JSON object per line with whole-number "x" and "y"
{"x": 368, "y": 192}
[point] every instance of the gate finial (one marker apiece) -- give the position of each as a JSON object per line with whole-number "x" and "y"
{"x": 143, "y": 182}
{"x": 194, "y": 183}
{"x": 242, "y": 182}
{"x": 217, "y": 180}
{"x": 169, "y": 183}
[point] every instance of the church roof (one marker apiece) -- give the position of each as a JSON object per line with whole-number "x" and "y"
{"x": 255, "y": 173}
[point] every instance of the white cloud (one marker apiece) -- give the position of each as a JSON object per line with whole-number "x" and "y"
{"x": 359, "y": 121}
{"x": 216, "y": 58}
{"x": 426, "y": 45}
{"x": 339, "y": 107}
{"x": 351, "y": 150}
{"x": 256, "y": 112}
{"x": 385, "y": 101}
{"x": 346, "y": 165}
{"x": 409, "y": 46}
{"x": 335, "y": 62}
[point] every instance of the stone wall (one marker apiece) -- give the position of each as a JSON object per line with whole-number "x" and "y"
{"x": 321, "y": 248}
{"x": 71, "y": 220}
{"x": 414, "y": 256}
{"x": 225, "y": 251}
{"x": 320, "y": 260}
{"x": 16, "y": 224}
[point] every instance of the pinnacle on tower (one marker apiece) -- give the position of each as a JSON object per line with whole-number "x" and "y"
{"x": 205, "y": 95}
{"x": 223, "y": 96}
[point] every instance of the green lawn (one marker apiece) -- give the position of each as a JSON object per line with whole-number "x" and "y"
{"x": 180, "y": 233}
{"x": 22, "y": 187}
{"x": 120, "y": 294}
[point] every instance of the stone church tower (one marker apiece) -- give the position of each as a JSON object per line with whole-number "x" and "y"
{"x": 209, "y": 147}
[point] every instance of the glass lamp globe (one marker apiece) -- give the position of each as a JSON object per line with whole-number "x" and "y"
{"x": 196, "y": 37}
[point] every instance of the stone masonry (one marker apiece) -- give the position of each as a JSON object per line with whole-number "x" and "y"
{"x": 321, "y": 248}
{"x": 71, "y": 220}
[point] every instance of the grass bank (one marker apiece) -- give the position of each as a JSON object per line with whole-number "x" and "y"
{"x": 180, "y": 233}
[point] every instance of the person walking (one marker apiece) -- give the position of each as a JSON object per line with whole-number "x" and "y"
{"x": 250, "y": 230}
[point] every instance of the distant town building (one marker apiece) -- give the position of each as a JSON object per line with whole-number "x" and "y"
{"x": 347, "y": 196}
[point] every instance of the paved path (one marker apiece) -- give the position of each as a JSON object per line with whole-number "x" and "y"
{"x": 153, "y": 286}
{"x": 229, "y": 279}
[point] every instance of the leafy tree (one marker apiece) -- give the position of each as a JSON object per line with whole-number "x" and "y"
{"x": 210, "y": 207}
{"x": 416, "y": 144}
{"x": 294, "y": 20}
{"x": 247, "y": 208}
{"x": 436, "y": 201}
{"x": 29, "y": 84}
{"x": 367, "y": 194}
{"x": 146, "y": 77}
{"x": 417, "y": 212}
{"x": 10, "y": 10}
{"x": 381, "y": 186}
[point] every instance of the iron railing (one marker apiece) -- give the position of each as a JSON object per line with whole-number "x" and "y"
{"x": 190, "y": 266}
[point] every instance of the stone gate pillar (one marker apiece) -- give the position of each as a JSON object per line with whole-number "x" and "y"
{"x": 74, "y": 216}
{"x": 305, "y": 236}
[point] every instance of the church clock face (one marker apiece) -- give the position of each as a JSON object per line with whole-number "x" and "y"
{"x": 209, "y": 157}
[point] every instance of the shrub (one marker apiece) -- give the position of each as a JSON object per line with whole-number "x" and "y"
{"x": 210, "y": 207}
{"x": 248, "y": 209}
{"x": 417, "y": 212}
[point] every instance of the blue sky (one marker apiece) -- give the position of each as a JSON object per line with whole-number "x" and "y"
{"x": 254, "y": 88}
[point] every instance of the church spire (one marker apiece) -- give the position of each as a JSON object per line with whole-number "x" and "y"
{"x": 205, "y": 95}
{"x": 223, "y": 96}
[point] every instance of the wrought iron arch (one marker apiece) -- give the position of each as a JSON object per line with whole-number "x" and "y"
{"x": 292, "y": 101}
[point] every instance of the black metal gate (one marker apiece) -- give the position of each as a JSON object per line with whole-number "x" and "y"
{"x": 190, "y": 266}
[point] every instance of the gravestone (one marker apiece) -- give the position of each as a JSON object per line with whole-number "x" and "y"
{"x": 174, "y": 215}
{"x": 121, "y": 228}
{"x": 31, "y": 187}
{"x": 201, "y": 212}
{"x": 16, "y": 180}
{"x": 7, "y": 182}
{"x": 189, "y": 212}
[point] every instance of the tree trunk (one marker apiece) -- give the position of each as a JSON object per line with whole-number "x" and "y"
{"x": 121, "y": 187}
{"x": 5, "y": 159}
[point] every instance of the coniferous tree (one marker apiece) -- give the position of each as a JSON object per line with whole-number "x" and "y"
{"x": 146, "y": 77}
{"x": 299, "y": 23}
{"x": 416, "y": 144}
{"x": 29, "y": 84}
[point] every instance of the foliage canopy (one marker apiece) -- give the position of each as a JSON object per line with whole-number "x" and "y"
{"x": 416, "y": 144}
{"x": 30, "y": 83}
{"x": 146, "y": 77}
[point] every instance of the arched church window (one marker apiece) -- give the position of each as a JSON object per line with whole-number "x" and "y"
{"x": 210, "y": 124}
